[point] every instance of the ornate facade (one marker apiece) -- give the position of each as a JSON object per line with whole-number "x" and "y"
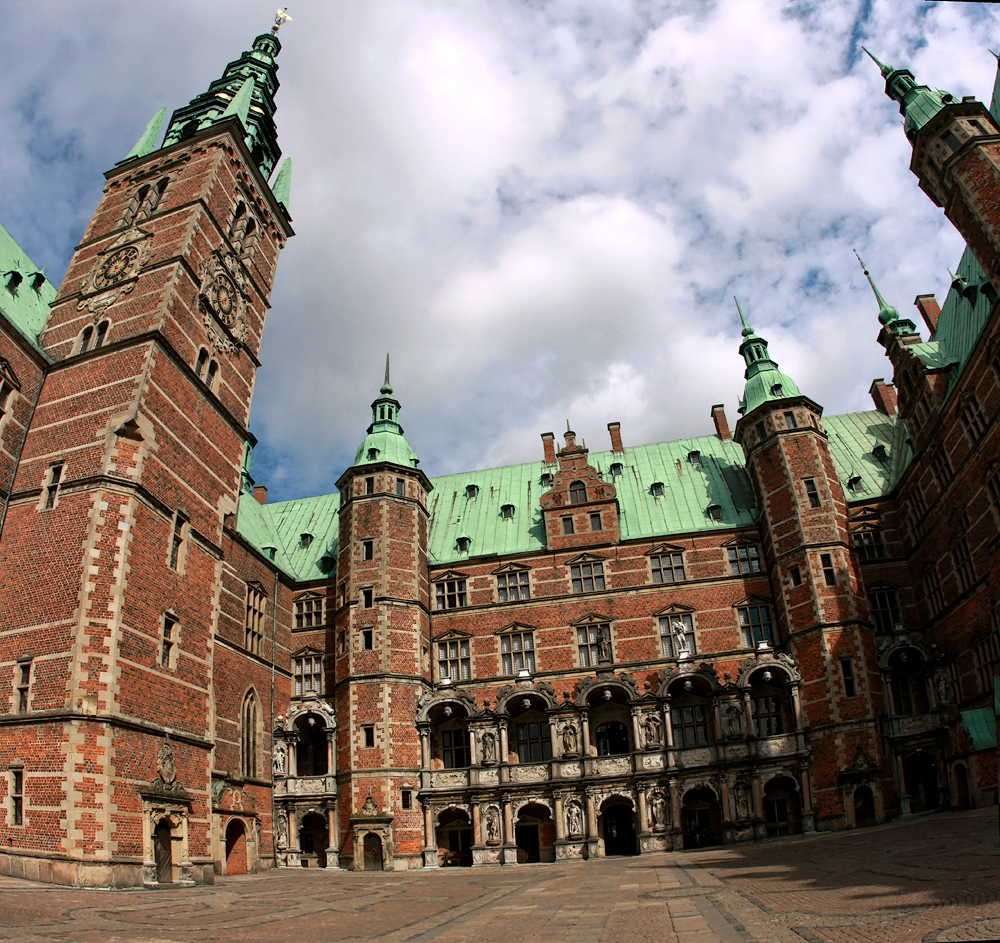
{"x": 787, "y": 628}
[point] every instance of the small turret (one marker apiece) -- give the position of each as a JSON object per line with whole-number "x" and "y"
{"x": 764, "y": 380}
{"x": 385, "y": 441}
{"x": 887, "y": 314}
{"x": 918, "y": 104}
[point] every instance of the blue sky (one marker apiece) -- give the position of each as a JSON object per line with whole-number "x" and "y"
{"x": 542, "y": 208}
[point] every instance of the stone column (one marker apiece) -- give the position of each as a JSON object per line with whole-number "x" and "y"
{"x": 425, "y": 755}
{"x": 332, "y": 843}
{"x": 805, "y": 790}
{"x": 717, "y": 717}
{"x": 509, "y": 853}
{"x": 585, "y": 727}
{"x": 636, "y": 734}
{"x": 748, "y": 720}
{"x": 477, "y": 838}
{"x": 430, "y": 839}
{"x": 640, "y": 792}
{"x": 293, "y": 758}
{"x": 593, "y": 839}
{"x": 331, "y": 751}
{"x": 504, "y": 746}
{"x": 800, "y": 734}
{"x": 560, "y": 821}
{"x": 756, "y": 813}
{"x": 904, "y": 796}
{"x": 554, "y": 736}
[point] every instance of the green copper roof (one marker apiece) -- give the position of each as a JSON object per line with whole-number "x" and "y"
{"x": 917, "y": 103}
{"x": 385, "y": 441}
{"x": 282, "y": 186}
{"x": 764, "y": 380}
{"x": 870, "y": 451}
{"x": 147, "y": 143}
{"x": 981, "y": 726}
{"x": 240, "y": 105}
{"x": 25, "y": 292}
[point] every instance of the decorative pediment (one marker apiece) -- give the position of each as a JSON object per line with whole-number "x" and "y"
{"x": 866, "y": 513}
{"x": 7, "y": 374}
{"x": 511, "y": 568}
{"x": 516, "y": 627}
{"x": 742, "y": 541}
{"x": 590, "y": 618}
{"x": 586, "y": 558}
{"x": 664, "y": 548}
{"x": 449, "y": 575}
{"x": 257, "y": 585}
{"x": 881, "y": 585}
{"x": 309, "y": 595}
{"x": 753, "y": 601}
{"x": 866, "y": 527}
{"x": 308, "y": 651}
{"x": 674, "y": 607}
{"x": 451, "y": 634}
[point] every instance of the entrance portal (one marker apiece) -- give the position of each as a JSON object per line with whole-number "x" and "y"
{"x": 236, "y": 848}
{"x": 920, "y": 777}
{"x": 618, "y": 824}
{"x": 164, "y": 853}
{"x": 373, "y": 852}
{"x": 313, "y": 839}
{"x": 961, "y": 787}
{"x": 864, "y": 807}
{"x": 701, "y": 818}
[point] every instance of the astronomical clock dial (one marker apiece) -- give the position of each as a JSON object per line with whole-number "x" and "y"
{"x": 223, "y": 295}
{"x": 117, "y": 266}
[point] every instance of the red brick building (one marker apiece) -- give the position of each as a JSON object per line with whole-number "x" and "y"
{"x": 791, "y": 627}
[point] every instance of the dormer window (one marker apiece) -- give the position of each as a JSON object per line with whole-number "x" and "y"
{"x": 578, "y": 493}
{"x": 13, "y": 282}
{"x": 270, "y": 552}
{"x": 880, "y": 453}
{"x": 714, "y": 512}
{"x": 546, "y": 480}
{"x": 305, "y": 540}
{"x": 463, "y": 544}
{"x": 656, "y": 489}
{"x": 507, "y": 512}
{"x": 372, "y": 455}
{"x": 471, "y": 491}
{"x": 37, "y": 280}
{"x": 616, "y": 469}
{"x": 777, "y": 390}
{"x": 694, "y": 457}
{"x": 856, "y": 484}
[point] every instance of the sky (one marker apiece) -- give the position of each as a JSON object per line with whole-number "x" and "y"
{"x": 541, "y": 208}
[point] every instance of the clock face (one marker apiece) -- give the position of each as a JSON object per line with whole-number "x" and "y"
{"x": 118, "y": 265}
{"x": 224, "y": 300}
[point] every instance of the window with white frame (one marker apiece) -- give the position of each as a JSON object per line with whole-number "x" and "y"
{"x": 755, "y": 625}
{"x": 308, "y": 612}
{"x": 517, "y": 652}
{"x": 308, "y": 675}
{"x": 677, "y": 634}
{"x": 454, "y": 660}
{"x": 513, "y": 586}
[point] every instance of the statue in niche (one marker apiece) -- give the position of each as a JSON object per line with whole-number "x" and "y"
{"x": 278, "y": 760}
{"x": 574, "y": 819}
{"x": 734, "y": 720}
{"x": 742, "y": 794}
{"x": 282, "y": 827}
{"x": 652, "y": 728}
{"x": 489, "y": 748}
{"x": 658, "y": 808}
{"x": 569, "y": 738}
{"x": 604, "y": 646}
{"x": 369, "y": 808}
{"x": 941, "y": 684}
{"x": 492, "y": 825}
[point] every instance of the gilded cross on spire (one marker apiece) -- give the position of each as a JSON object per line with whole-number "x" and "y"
{"x": 280, "y": 18}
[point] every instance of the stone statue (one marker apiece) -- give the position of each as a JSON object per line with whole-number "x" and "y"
{"x": 941, "y": 683}
{"x": 569, "y": 738}
{"x": 492, "y": 825}
{"x": 742, "y": 800}
{"x": 604, "y": 646}
{"x": 574, "y": 819}
{"x": 734, "y": 720}
{"x": 369, "y": 808}
{"x": 489, "y": 747}
{"x": 659, "y": 810}
{"x": 282, "y": 831}
{"x": 278, "y": 760}
{"x": 652, "y": 728}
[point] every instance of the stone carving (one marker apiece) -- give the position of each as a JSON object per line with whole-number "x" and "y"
{"x": 115, "y": 271}
{"x": 942, "y": 688}
{"x": 862, "y": 761}
{"x": 734, "y": 720}
{"x": 613, "y": 764}
{"x": 221, "y": 298}
{"x": 774, "y": 745}
{"x": 492, "y": 825}
{"x": 574, "y": 819}
{"x": 695, "y": 757}
{"x": 529, "y": 774}
{"x": 278, "y": 759}
{"x": 488, "y": 777}
{"x": 741, "y": 793}
{"x": 166, "y": 765}
{"x": 282, "y": 827}
{"x": 570, "y": 770}
{"x": 489, "y": 748}
{"x": 658, "y": 809}
{"x": 653, "y": 761}
{"x": 652, "y": 729}
{"x": 369, "y": 808}
{"x": 450, "y": 779}
{"x": 569, "y": 739}
{"x": 604, "y": 646}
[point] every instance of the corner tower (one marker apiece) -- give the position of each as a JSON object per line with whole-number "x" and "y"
{"x": 383, "y": 644}
{"x": 814, "y": 575}
{"x": 111, "y": 551}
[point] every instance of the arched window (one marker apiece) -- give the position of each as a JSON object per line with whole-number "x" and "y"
{"x": 85, "y": 338}
{"x": 202, "y": 362}
{"x": 102, "y": 333}
{"x": 769, "y": 703}
{"x": 612, "y": 738}
{"x": 249, "y": 240}
{"x": 250, "y": 720}
{"x": 577, "y": 493}
{"x": 213, "y": 370}
{"x": 132, "y": 209}
{"x": 239, "y": 222}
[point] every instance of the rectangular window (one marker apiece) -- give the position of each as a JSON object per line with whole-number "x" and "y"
{"x": 308, "y": 676}
{"x": 169, "y": 642}
{"x": 567, "y": 523}
{"x": 668, "y": 568}
{"x": 517, "y": 652}
{"x": 400, "y": 487}
{"x": 917, "y": 499}
{"x": 534, "y": 742}
{"x": 23, "y": 686}
{"x": 744, "y": 560}
{"x": 986, "y": 660}
{"x": 755, "y": 625}
{"x": 587, "y": 577}
{"x": 811, "y": 493}
{"x": 17, "y": 795}
{"x": 869, "y": 544}
{"x": 589, "y": 643}
{"x": 454, "y": 661}
{"x": 367, "y": 595}
{"x": 52, "y": 487}
{"x": 308, "y": 612}
{"x": 690, "y": 728}
{"x": 972, "y": 416}
{"x": 368, "y": 549}
{"x": 932, "y": 591}
{"x": 677, "y": 634}
{"x": 369, "y": 736}
{"x": 513, "y": 586}
{"x": 885, "y": 609}
{"x": 595, "y": 522}
{"x": 368, "y": 639}
{"x": 342, "y": 641}
{"x": 455, "y": 748}
{"x": 965, "y": 572}
{"x": 847, "y": 669}
{"x": 406, "y": 797}
{"x": 369, "y": 486}
{"x": 993, "y": 487}
{"x": 450, "y": 594}
{"x": 790, "y": 422}
{"x": 942, "y": 469}
{"x": 177, "y": 542}
{"x": 253, "y": 635}
{"x": 761, "y": 430}
{"x": 829, "y": 573}
{"x": 796, "y": 575}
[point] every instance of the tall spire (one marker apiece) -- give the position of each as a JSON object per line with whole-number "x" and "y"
{"x": 917, "y": 103}
{"x": 886, "y": 69}
{"x": 246, "y": 89}
{"x": 282, "y": 186}
{"x": 147, "y": 143}
{"x": 386, "y": 388}
{"x": 385, "y": 441}
{"x": 886, "y": 313}
{"x": 764, "y": 380}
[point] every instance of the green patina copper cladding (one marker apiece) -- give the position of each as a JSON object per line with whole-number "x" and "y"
{"x": 282, "y": 187}
{"x": 917, "y": 103}
{"x": 147, "y": 143}
{"x": 385, "y": 441}
{"x": 25, "y": 292}
{"x": 765, "y": 382}
{"x": 227, "y": 96}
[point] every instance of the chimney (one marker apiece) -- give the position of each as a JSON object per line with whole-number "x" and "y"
{"x": 615, "y": 428}
{"x": 549, "y": 444}
{"x": 884, "y": 394}
{"x": 721, "y": 423}
{"x": 260, "y": 493}
{"x": 929, "y": 310}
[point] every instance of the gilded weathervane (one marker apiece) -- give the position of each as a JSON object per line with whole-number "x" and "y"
{"x": 280, "y": 18}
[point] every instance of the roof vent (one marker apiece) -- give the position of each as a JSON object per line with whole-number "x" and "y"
{"x": 507, "y": 512}
{"x": 471, "y": 491}
{"x": 270, "y": 552}
{"x": 305, "y": 540}
{"x": 615, "y": 469}
{"x": 777, "y": 389}
{"x": 14, "y": 280}
{"x": 656, "y": 489}
{"x": 37, "y": 280}
{"x": 856, "y": 484}
{"x": 694, "y": 457}
{"x": 880, "y": 452}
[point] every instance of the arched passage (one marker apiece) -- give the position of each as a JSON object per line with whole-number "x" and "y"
{"x": 236, "y": 848}
{"x": 454, "y": 838}
{"x": 864, "y": 807}
{"x": 921, "y": 782}
{"x": 534, "y": 834}
{"x": 961, "y": 786}
{"x": 617, "y": 827}
{"x": 782, "y": 812}
{"x": 701, "y": 818}
{"x": 313, "y": 839}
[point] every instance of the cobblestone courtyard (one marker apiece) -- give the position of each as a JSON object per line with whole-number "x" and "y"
{"x": 933, "y": 878}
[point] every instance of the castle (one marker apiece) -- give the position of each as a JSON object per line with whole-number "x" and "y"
{"x": 790, "y": 626}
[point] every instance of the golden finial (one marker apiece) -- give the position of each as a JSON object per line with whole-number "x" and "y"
{"x": 280, "y": 18}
